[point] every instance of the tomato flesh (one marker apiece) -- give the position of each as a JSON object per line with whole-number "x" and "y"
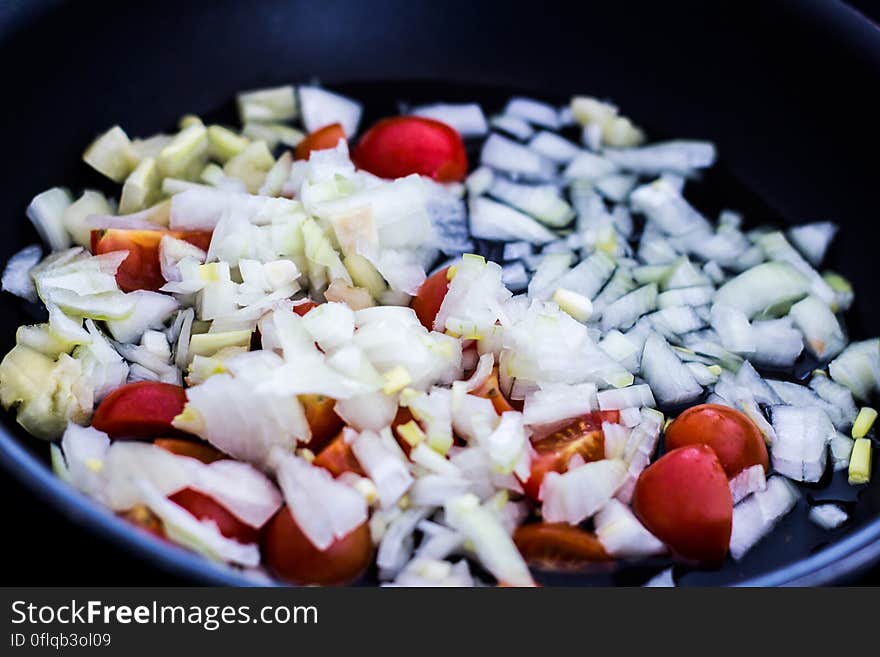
{"x": 736, "y": 440}
{"x": 191, "y": 448}
{"x": 323, "y": 420}
{"x": 292, "y": 557}
{"x": 205, "y": 507}
{"x": 338, "y": 457}
{"x": 430, "y": 297}
{"x": 684, "y": 499}
{"x": 554, "y": 449}
{"x": 403, "y": 145}
{"x": 303, "y": 307}
{"x": 319, "y": 140}
{"x": 140, "y": 410}
{"x": 141, "y": 269}
{"x": 491, "y": 390}
{"x": 558, "y": 546}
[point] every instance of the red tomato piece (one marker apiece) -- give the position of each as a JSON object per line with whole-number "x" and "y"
{"x": 141, "y": 269}
{"x": 192, "y": 448}
{"x": 554, "y": 449}
{"x": 205, "y": 507}
{"x": 319, "y": 140}
{"x": 430, "y": 297}
{"x": 322, "y": 419}
{"x": 303, "y": 307}
{"x": 292, "y": 557}
{"x": 491, "y": 390}
{"x": 140, "y": 410}
{"x": 684, "y": 499}
{"x": 737, "y": 441}
{"x": 558, "y": 546}
{"x": 338, "y": 457}
{"x": 403, "y": 145}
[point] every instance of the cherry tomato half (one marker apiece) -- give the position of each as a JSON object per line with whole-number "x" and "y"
{"x": 684, "y": 499}
{"x": 140, "y": 410}
{"x": 553, "y": 451}
{"x": 430, "y": 297}
{"x": 558, "y": 546}
{"x": 205, "y": 507}
{"x": 141, "y": 269}
{"x": 403, "y": 145}
{"x": 292, "y": 557}
{"x": 319, "y": 140}
{"x": 322, "y": 419}
{"x": 737, "y": 441}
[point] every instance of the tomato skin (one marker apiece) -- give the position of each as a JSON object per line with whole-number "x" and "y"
{"x": 491, "y": 390}
{"x": 338, "y": 457}
{"x": 192, "y": 448}
{"x": 141, "y": 269}
{"x": 554, "y": 449}
{"x": 430, "y": 297}
{"x": 322, "y": 419}
{"x": 684, "y": 499}
{"x": 205, "y": 507}
{"x": 292, "y": 557}
{"x": 737, "y": 441}
{"x": 304, "y": 307}
{"x": 320, "y": 139}
{"x": 402, "y": 145}
{"x": 558, "y": 546}
{"x": 140, "y": 410}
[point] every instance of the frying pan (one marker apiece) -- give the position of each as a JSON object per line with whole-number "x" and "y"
{"x": 784, "y": 89}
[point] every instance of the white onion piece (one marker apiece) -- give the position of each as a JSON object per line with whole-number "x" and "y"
{"x": 813, "y": 240}
{"x": 241, "y": 421}
{"x": 321, "y": 108}
{"x": 799, "y": 451}
{"x": 671, "y": 382}
{"x": 630, "y": 396}
{"x": 241, "y": 489}
{"x": 17, "y": 273}
{"x": 151, "y": 309}
{"x": 559, "y": 401}
{"x": 507, "y": 155}
{"x": 491, "y": 542}
{"x": 663, "y": 579}
{"x": 748, "y": 481}
{"x": 202, "y": 536}
{"x": 46, "y": 212}
{"x": 621, "y": 533}
{"x": 512, "y": 125}
{"x": 588, "y": 166}
{"x": 680, "y": 156}
{"x": 755, "y": 517}
{"x": 324, "y": 509}
{"x": 554, "y": 147}
{"x": 467, "y": 118}
{"x": 385, "y": 467}
{"x": 576, "y": 495}
{"x": 858, "y": 368}
{"x": 828, "y": 516}
{"x": 533, "y": 111}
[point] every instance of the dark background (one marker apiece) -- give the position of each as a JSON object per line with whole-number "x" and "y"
{"x": 43, "y": 548}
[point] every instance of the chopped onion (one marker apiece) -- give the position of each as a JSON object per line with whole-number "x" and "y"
{"x": 46, "y": 212}
{"x": 467, "y": 118}
{"x": 799, "y": 451}
{"x": 681, "y": 157}
{"x": 387, "y": 470}
{"x": 321, "y": 108}
{"x": 622, "y": 535}
{"x": 748, "y": 481}
{"x": 17, "y": 278}
{"x": 755, "y": 517}
{"x": 828, "y": 516}
{"x": 506, "y": 155}
{"x": 554, "y": 147}
{"x": 579, "y": 493}
{"x": 533, "y": 111}
{"x": 671, "y": 382}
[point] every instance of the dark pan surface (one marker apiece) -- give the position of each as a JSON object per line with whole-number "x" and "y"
{"x": 793, "y": 118}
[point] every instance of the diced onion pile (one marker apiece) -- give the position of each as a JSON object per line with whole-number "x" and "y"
{"x": 613, "y": 293}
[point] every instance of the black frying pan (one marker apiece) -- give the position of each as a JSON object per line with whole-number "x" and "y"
{"x": 785, "y": 89}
